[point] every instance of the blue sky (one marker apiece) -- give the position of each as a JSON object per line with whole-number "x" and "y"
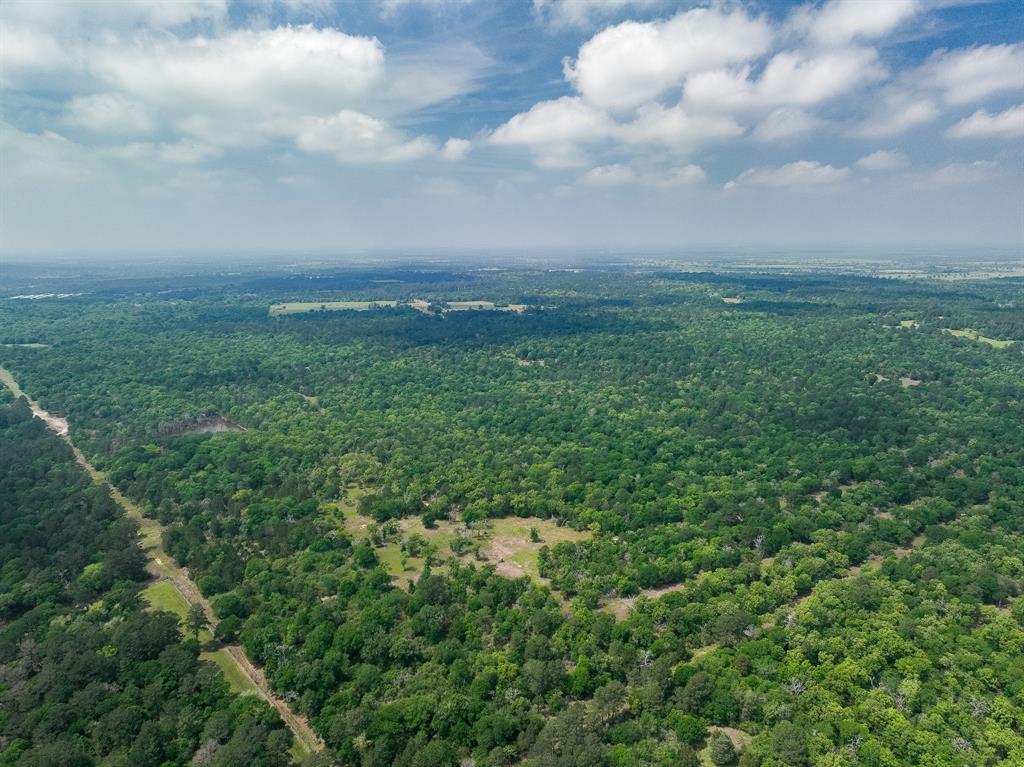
{"x": 425, "y": 125}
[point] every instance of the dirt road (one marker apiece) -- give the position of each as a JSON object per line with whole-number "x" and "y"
{"x": 162, "y": 566}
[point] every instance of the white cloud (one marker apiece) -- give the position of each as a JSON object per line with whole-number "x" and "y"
{"x": 972, "y": 74}
{"x": 958, "y": 173}
{"x": 608, "y": 175}
{"x": 634, "y": 62}
{"x": 899, "y": 112}
{"x": 803, "y": 173}
{"x": 983, "y": 124}
{"x": 109, "y": 113}
{"x": 785, "y": 123}
{"x": 554, "y": 129}
{"x": 114, "y": 14}
{"x": 841, "y": 21}
{"x": 26, "y": 51}
{"x": 565, "y": 120}
{"x": 246, "y": 73}
{"x": 789, "y": 78}
{"x": 353, "y": 137}
{"x": 456, "y": 148}
{"x": 883, "y": 160}
{"x": 675, "y": 127}
{"x": 562, "y": 14}
{"x": 619, "y": 174}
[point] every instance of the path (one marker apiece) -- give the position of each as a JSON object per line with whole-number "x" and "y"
{"x": 163, "y": 566}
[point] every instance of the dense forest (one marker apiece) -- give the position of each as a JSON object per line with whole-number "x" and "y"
{"x": 657, "y": 517}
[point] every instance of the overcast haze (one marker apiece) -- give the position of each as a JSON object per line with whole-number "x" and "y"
{"x": 131, "y": 127}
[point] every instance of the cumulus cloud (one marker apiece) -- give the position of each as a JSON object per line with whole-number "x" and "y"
{"x": 790, "y": 77}
{"x": 897, "y": 113}
{"x": 632, "y": 63}
{"x": 971, "y": 74}
{"x": 841, "y": 21}
{"x": 568, "y": 119}
{"x": 609, "y": 175}
{"x": 803, "y": 173}
{"x": 983, "y": 124}
{"x": 109, "y": 113}
{"x": 785, "y": 123}
{"x": 883, "y": 160}
{"x": 353, "y": 137}
{"x": 246, "y": 76}
{"x": 958, "y": 173}
{"x": 554, "y": 129}
{"x": 456, "y": 148}
{"x": 674, "y": 126}
{"x": 619, "y": 174}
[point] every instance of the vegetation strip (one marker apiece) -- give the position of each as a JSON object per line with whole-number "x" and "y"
{"x": 162, "y": 566}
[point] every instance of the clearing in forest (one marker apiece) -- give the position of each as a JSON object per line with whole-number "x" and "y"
{"x": 740, "y": 741}
{"x": 621, "y": 607}
{"x": 512, "y": 544}
{"x": 974, "y": 335}
{"x": 304, "y": 307}
{"x": 462, "y": 306}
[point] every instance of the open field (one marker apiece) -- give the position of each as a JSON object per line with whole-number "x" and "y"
{"x": 461, "y": 306}
{"x": 505, "y": 542}
{"x": 974, "y": 335}
{"x": 304, "y": 307}
{"x": 162, "y": 595}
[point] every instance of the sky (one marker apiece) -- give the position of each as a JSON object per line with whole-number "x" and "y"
{"x": 291, "y": 126}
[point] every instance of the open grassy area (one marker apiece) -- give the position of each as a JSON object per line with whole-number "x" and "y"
{"x": 461, "y": 306}
{"x": 237, "y": 681}
{"x": 974, "y": 335}
{"x": 504, "y": 542}
{"x": 162, "y": 595}
{"x": 303, "y": 307}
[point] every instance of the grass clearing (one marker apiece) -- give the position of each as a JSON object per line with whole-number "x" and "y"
{"x": 506, "y": 543}
{"x": 974, "y": 335}
{"x": 305, "y": 307}
{"x": 162, "y": 595}
{"x": 237, "y": 681}
{"x": 740, "y": 740}
{"x": 732, "y": 300}
{"x": 462, "y": 306}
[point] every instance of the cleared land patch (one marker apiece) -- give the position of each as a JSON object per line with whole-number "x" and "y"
{"x": 974, "y": 335}
{"x": 621, "y": 607}
{"x": 512, "y": 544}
{"x": 304, "y": 307}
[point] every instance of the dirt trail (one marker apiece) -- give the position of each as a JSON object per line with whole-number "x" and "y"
{"x": 162, "y": 566}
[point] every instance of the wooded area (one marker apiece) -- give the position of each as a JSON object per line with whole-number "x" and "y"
{"x": 788, "y": 555}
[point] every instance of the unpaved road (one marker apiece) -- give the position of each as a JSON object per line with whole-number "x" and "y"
{"x": 162, "y": 566}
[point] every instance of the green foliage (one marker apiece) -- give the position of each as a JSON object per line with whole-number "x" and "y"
{"x": 793, "y": 547}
